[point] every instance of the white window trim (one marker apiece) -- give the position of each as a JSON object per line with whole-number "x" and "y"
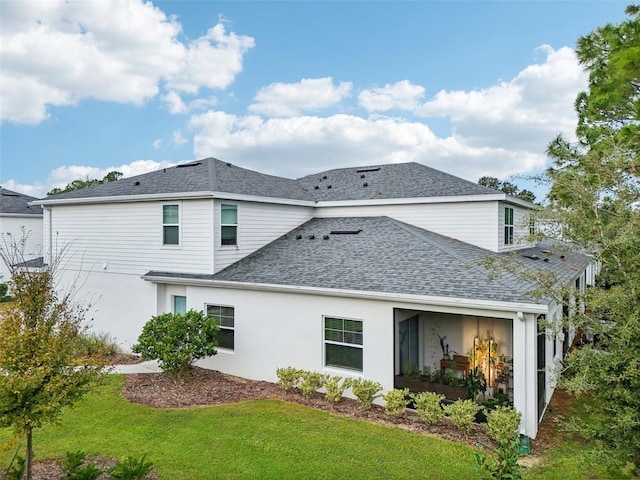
{"x": 508, "y": 226}
{"x": 354, "y": 372}
{"x": 179, "y": 225}
{"x": 233, "y": 329}
{"x": 235, "y": 245}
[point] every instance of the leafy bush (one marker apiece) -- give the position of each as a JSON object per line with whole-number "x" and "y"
{"x": 73, "y": 468}
{"x": 462, "y": 413}
{"x": 505, "y": 466}
{"x": 396, "y": 402}
{"x": 428, "y": 406}
{"x": 98, "y": 344}
{"x": 4, "y": 288}
{"x": 365, "y": 391}
{"x": 411, "y": 370}
{"x": 503, "y": 423}
{"x": 335, "y": 387}
{"x": 310, "y": 382}
{"x": 17, "y": 471}
{"x": 177, "y": 340}
{"x": 132, "y": 468}
{"x": 288, "y": 377}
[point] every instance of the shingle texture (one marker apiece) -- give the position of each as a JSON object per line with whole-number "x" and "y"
{"x": 17, "y": 203}
{"x": 403, "y": 180}
{"x": 389, "y": 256}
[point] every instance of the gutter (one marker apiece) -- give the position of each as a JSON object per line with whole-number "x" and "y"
{"x": 328, "y": 292}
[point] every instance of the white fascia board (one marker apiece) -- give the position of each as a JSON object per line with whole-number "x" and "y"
{"x": 384, "y": 296}
{"x": 518, "y": 201}
{"x": 21, "y": 215}
{"x": 416, "y": 200}
{"x": 173, "y": 196}
{"x": 259, "y": 199}
{"x": 153, "y": 197}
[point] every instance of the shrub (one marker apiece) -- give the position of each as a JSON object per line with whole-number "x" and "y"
{"x": 335, "y": 387}
{"x": 396, "y": 402}
{"x": 132, "y": 468}
{"x": 505, "y": 466}
{"x": 365, "y": 391}
{"x": 17, "y": 471}
{"x": 310, "y": 382}
{"x": 462, "y": 413}
{"x": 98, "y": 344}
{"x": 177, "y": 340}
{"x": 73, "y": 468}
{"x": 4, "y": 289}
{"x": 503, "y": 423}
{"x": 411, "y": 370}
{"x": 428, "y": 406}
{"x": 288, "y": 377}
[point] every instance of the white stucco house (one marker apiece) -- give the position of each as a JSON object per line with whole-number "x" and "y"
{"x": 19, "y": 220}
{"x": 352, "y": 271}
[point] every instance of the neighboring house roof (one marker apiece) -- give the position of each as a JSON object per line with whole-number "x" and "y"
{"x": 389, "y": 256}
{"x": 401, "y": 180}
{"x": 15, "y": 203}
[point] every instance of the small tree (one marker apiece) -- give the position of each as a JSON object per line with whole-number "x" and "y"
{"x": 177, "y": 340}
{"x": 41, "y": 370}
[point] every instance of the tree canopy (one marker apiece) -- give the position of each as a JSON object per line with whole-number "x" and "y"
{"x": 508, "y": 188}
{"x": 595, "y": 198}
{"x": 87, "y": 182}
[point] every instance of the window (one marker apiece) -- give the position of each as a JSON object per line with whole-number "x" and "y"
{"x": 170, "y": 225}
{"x": 508, "y": 226}
{"x": 224, "y": 317}
{"x": 179, "y": 304}
{"x": 343, "y": 343}
{"x": 229, "y": 224}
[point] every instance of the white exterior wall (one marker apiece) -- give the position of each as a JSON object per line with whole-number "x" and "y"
{"x": 17, "y": 226}
{"x": 258, "y": 225}
{"x": 471, "y": 222}
{"x": 520, "y": 228}
{"x": 126, "y": 238}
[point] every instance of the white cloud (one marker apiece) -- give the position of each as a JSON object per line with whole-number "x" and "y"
{"x": 526, "y": 112}
{"x": 308, "y": 95}
{"x": 178, "y": 139}
{"x": 156, "y": 144}
{"x": 301, "y": 145}
{"x": 124, "y": 59}
{"x": 402, "y": 95}
{"x": 174, "y": 103}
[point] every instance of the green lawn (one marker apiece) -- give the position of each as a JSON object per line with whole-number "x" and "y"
{"x": 266, "y": 439}
{"x": 254, "y": 439}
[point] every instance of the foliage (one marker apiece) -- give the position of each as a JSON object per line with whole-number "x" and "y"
{"x": 132, "y": 468}
{"x": 310, "y": 382}
{"x": 462, "y": 414}
{"x": 475, "y": 383}
{"x": 97, "y": 344}
{"x": 87, "y": 182}
{"x": 365, "y": 391}
{"x": 17, "y": 471}
{"x": 4, "y": 289}
{"x": 411, "y": 370}
{"x": 396, "y": 401}
{"x": 39, "y": 337}
{"x": 594, "y": 202}
{"x": 74, "y": 468}
{"x": 503, "y": 423}
{"x": 335, "y": 387}
{"x": 505, "y": 467}
{"x": 428, "y": 406}
{"x": 177, "y": 340}
{"x": 507, "y": 187}
{"x": 288, "y": 377}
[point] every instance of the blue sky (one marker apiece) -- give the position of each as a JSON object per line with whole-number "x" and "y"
{"x": 287, "y": 88}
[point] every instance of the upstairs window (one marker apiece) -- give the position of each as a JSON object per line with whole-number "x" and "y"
{"x": 224, "y": 317}
{"x": 343, "y": 343}
{"x": 508, "y": 226}
{"x": 179, "y": 304}
{"x": 170, "y": 225}
{"x": 228, "y": 224}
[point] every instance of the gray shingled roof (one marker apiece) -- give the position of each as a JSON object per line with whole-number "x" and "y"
{"x": 385, "y": 256}
{"x": 399, "y": 180}
{"x": 402, "y": 180}
{"x": 17, "y": 203}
